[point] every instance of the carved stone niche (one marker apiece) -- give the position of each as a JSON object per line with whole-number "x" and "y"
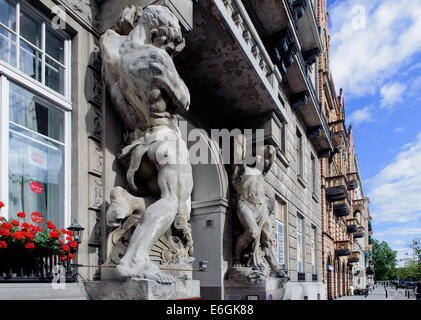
{"x": 94, "y": 225}
{"x": 96, "y": 157}
{"x": 95, "y": 123}
{"x": 95, "y": 193}
{"x": 93, "y": 87}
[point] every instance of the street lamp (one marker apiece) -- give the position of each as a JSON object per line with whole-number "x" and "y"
{"x": 77, "y": 230}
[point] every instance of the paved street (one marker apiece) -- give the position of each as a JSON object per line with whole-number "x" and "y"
{"x": 379, "y": 294}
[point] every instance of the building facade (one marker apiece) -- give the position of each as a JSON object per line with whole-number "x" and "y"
{"x": 345, "y": 212}
{"x": 248, "y": 65}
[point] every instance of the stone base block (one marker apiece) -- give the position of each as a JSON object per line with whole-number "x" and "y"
{"x": 245, "y": 283}
{"x": 142, "y": 289}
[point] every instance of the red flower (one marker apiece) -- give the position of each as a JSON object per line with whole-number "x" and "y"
{"x": 38, "y": 228}
{"x": 61, "y": 241}
{"x": 63, "y": 258}
{"x": 6, "y": 225}
{"x": 73, "y": 244}
{"x": 70, "y": 239}
{"x": 30, "y": 236}
{"x": 1, "y": 219}
{"x": 69, "y": 233}
{"x": 65, "y": 247}
{"x": 51, "y": 226}
{"x": 21, "y": 215}
{"x": 3, "y": 244}
{"x": 25, "y": 225}
{"x": 4, "y": 232}
{"x": 55, "y": 234}
{"x": 15, "y": 222}
{"x": 71, "y": 256}
{"x": 1, "y": 204}
{"x": 30, "y": 245}
{"x": 18, "y": 235}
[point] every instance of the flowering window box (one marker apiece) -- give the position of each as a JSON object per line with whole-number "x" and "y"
{"x": 34, "y": 254}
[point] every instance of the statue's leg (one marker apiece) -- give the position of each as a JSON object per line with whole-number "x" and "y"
{"x": 157, "y": 219}
{"x": 251, "y": 229}
{"x": 135, "y": 160}
{"x": 268, "y": 249}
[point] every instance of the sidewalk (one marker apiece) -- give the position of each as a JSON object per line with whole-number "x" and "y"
{"x": 379, "y": 293}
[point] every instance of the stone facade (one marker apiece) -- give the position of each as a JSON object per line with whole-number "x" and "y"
{"x": 344, "y": 218}
{"x": 238, "y": 79}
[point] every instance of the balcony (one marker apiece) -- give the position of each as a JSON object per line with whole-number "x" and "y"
{"x": 352, "y": 181}
{"x": 341, "y": 209}
{"x": 352, "y": 226}
{"x": 226, "y": 66}
{"x": 354, "y": 257}
{"x": 343, "y": 248}
{"x": 336, "y": 189}
{"x": 297, "y": 15}
{"x": 360, "y": 233}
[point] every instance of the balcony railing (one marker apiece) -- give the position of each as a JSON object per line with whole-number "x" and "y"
{"x": 336, "y": 189}
{"x": 352, "y": 182}
{"x": 360, "y": 233}
{"x": 354, "y": 257}
{"x": 343, "y": 248}
{"x": 352, "y": 226}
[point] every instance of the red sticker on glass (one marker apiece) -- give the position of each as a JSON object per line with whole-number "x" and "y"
{"x": 36, "y": 217}
{"x": 36, "y": 187}
{"x": 37, "y": 157}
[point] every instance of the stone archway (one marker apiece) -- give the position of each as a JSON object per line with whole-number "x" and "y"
{"x": 329, "y": 279}
{"x": 209, "y": 220}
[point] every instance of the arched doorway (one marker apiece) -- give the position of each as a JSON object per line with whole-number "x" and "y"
{"x": 329, "y": 278}
{"x": 210, "y": 222}
{"x": 344, "y": 280}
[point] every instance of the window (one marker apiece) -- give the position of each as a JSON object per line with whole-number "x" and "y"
{"x": 300, "y": 244}
{"x": 31, "y": 46}
{"x": 313, "y": 250}
{"x": 280, "y": 218}
{"x": 299, "y": 153}
{"x": 313, "y": 174}
{"x": 34, "y": 119}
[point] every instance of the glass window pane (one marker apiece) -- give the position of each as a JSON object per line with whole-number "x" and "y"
{"x": 8, "y": 13}
{"x": 7, "y": 47}
{"x": 30, "y": 61}
{"x": 36, "y": 114}
{"x": 54, "y": 45}
{"x": 30, "y": 29}
{"x": 54, "y": 75}
{"x": 36, "y": 178}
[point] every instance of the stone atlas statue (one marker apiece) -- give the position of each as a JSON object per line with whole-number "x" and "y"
{"x": 151, "y": 218}
{"x": 254, "y": 251}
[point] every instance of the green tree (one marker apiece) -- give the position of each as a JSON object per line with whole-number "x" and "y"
{"x": 384, "y": 260}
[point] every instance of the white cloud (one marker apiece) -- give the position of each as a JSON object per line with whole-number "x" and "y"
{"x": 400, "y": 129}
{"x": 359, "y": 116}
{"x": 364, "y": 59}
{"x": 395, "y": 192}
{"x": 392, "y": 94}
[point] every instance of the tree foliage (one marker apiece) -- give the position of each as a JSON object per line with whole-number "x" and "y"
{"x": 384, "y": 260}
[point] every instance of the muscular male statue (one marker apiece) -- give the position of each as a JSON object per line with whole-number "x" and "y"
{"x": 252, "y": 211}
{"x": 146, "y": 90}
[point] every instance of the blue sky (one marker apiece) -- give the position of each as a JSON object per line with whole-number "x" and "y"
{"x": 376, "y": 58}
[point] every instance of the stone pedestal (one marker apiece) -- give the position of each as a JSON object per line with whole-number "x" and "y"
{"x": 243, "y": 285}
{"x": 142, "y": 289}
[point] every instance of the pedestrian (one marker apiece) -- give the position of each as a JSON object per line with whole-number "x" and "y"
{"x": 351, "y": 290}
{"x": 418, "y": 290}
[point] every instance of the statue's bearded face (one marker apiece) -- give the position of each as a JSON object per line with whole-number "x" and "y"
{"x": 167, "y": 38}
{"x": 165, "y": 31}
